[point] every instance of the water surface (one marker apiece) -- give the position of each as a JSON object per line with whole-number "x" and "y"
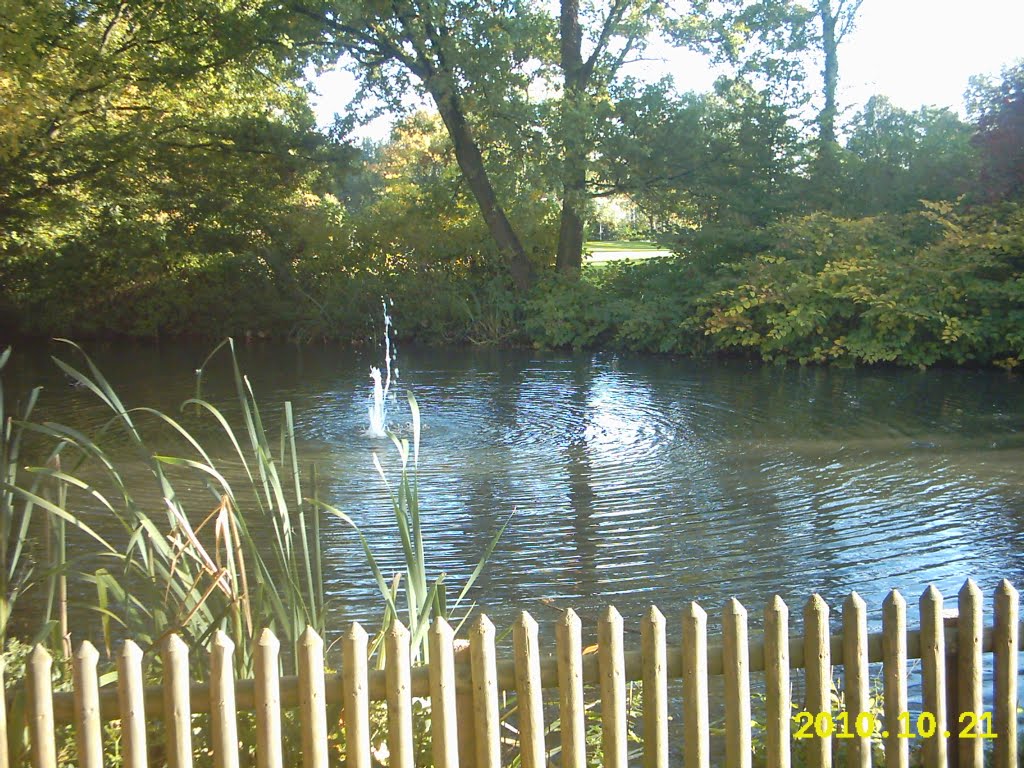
{"x": 633, "y": 480}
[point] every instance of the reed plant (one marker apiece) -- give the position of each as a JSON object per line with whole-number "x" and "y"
{"x": 241, "y": 554}
{"x": 246, "y": 558}
{"x": 15, "y": 515}
{"x": 27, "y": 561}
{"x": 163, "y": 574}
{"x": 425, "y": 596}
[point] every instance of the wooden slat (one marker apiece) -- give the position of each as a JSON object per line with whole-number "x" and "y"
{"x": 43, "y": 746}
{"x": 268, "y": 701}
{"x": 933, "y": 676}
{"x": 569, "y": 652}
{"x": 131, "y": 700}
{"x": 969, "y": 685}
{"x": 696, "y": 717}
{"x": 443, "y": 718}
{"x": 777, "y": 684}
{"x": 177, "y": 706}
{"x": 655, "y": 688}
{"x": 528, "y": 690}
{"x": 894, "y": 674}
{"x": 818, "y": 663}
{"x": 486, "y": 717}
{"x": 857, "y": 675}
{"x": 1005, "y": 647}
{"x": 4, "y": 761}
{"x": 613, "y": 688}
{"x": 357, "y": 701}
{"x": 465, "y": 719}
{"x": 88, "y": 728}
{"x": 312, "y": 700}
{"x": 399, "y": 696}
{"x": 223, "y": 713}
{"x": 738, "y": 748}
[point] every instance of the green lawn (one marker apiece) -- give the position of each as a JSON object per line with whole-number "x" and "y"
{"x": 596, "y": 252}
{"x": 620, "y": 245}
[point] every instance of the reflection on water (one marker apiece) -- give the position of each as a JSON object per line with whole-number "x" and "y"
{"x": 639, "y": 481}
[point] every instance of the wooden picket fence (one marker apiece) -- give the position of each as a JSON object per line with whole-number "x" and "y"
{"x": 463, "y": 689}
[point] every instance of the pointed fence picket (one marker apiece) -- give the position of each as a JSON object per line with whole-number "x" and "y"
{"x": 951, "y": 655}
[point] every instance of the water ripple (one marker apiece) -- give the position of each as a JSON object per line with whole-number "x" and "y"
{"x": 639, "y": 481}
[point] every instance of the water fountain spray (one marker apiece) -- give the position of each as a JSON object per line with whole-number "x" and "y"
{"x": 378, "y": 410}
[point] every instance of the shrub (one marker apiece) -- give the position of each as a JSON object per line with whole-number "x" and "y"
{"x": 917, "y": 289}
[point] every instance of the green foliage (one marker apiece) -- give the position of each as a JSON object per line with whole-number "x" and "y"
{"x": 162, "y": 175}
{"x": 936, "y": 286}
{"x": 15, "y": 516}
{"x": 253, "y": 562}
{"x": 563, "y": 312}
{"x": 894, "y": 158}
{"x": 998, "y": 110}
{"x": 149, "y": 155}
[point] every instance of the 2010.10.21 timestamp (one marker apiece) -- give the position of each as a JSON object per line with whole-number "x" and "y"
{"x": 825, "y": 726}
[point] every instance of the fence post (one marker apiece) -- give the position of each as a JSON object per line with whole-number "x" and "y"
{"x": 1006, "y": 646}
{"x": 612, "y": 671}
{"x": 696, "y": 718}
{"x": 970, "y": 705}
{"x": 177, "y": 705}
{"x": 569, "y": 649}
{"x": 736, "y": 663}
{"x": 88, "y": 727}
{"x": 356, "y": 697}
{"x": 855, "y": 668}
{"x": 933, "y": 676}
{"x": 894, "y": 671}
{"x": 312, "y": 700}
{"x": 465, "y": 717}
{"x": 43, "y": 747}
{"x": 655, "y": 691}
{"x": 399, "y": 695}
{"x": 777, "y": 690}
{"x": 486, "y": 718}
{"x": 223, "y": 714}
{"x": 818, "y": 665}
{"x": 443, "y": 724}
{"x": 268, "y": 701}
{"x": 528, "y": 691}
{"x": 132, "y": 705}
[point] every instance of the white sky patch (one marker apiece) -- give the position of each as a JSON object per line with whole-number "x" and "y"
{"x": 922, "y": 52}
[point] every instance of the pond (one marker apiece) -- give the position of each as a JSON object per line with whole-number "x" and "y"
{"x": 632, "y": 481}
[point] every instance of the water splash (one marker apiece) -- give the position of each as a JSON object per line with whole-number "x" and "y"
{"x": 378, "y": 410}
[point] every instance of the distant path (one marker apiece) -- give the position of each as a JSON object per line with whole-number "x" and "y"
{"x": 618, "y": 250}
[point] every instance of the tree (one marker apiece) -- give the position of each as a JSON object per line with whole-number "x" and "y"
{"x": 149, "y": 149}
{"x": 997, "y": 108}
{"x": 459, "y": 54}
{"x": 837, "y": 19}
{"x": 895, "y": 158}
{"x": 614, "y": 34}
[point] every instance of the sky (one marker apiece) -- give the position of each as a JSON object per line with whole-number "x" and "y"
{"x": 916, "y": 52}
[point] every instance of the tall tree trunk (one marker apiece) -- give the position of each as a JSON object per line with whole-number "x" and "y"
{"x": 569, "y": 259}
{"x": 471, "y": 162}
{"x": 837, "y": 19}
{"x": 830, "y": 73}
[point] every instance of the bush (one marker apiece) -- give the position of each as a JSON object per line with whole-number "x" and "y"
{"x": 917, "y": 289}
